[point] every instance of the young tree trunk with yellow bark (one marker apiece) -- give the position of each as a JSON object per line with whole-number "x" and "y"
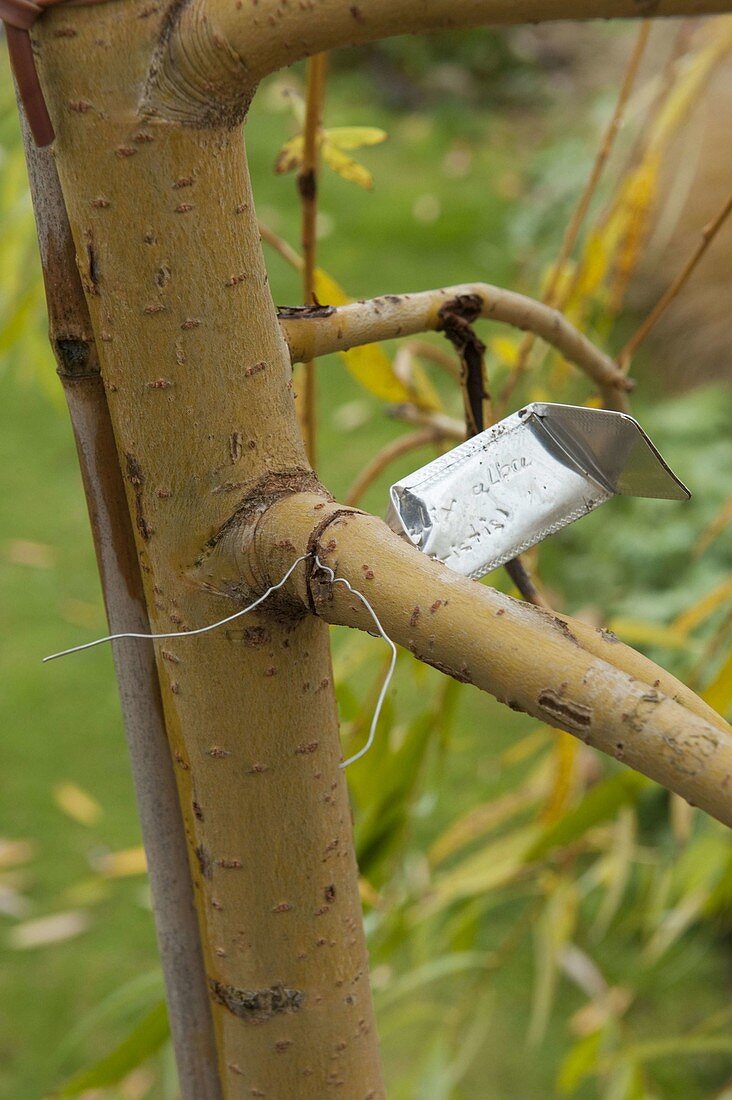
{"x": 146, "y": 101}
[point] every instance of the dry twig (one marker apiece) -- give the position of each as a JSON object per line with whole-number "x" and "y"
{"x": 572, "y": 232}
{"x": 708, "y": 234}
{"x": 307, "y": 185}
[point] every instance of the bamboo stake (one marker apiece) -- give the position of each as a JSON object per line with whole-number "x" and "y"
{"x": 72, "y": 340}
{"x": 708, "y": 234}
{"x": 307, "y": 184}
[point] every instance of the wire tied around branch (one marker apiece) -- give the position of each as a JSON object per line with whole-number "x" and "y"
{"x": 332, "y": 580}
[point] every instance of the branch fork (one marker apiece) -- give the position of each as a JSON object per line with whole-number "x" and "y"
{"x": 555, "y": 668}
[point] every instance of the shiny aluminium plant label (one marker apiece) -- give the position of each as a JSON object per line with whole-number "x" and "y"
{"x": 497, "y": 494}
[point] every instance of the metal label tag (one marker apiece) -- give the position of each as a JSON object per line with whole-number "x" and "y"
{"x": 502, "y": 491}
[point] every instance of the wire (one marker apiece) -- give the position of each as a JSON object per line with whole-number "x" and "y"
{"x": 182, "y": 633}
{"x": 245, "y": 611}
{"x": 392, "y": 664}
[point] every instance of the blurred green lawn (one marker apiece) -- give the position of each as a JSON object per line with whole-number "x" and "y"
{"x": 422, "y": 227}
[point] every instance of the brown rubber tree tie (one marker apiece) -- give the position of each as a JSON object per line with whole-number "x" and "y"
{"x": 18, "y": 17}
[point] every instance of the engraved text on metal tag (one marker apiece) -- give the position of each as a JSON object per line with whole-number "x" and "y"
{"x": 538, "y": 470}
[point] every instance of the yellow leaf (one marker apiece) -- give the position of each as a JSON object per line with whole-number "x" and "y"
{"x": 505, "y": 350}
{"x": 691, "y": 618}
{"x": 638, "y": 632}
{"x": 354, "y": 137}
{"x": 346, "y": 167}
{"x": 719, "y": 692}
{"x": 594, "y": 264}
{"x": 128, "y": 861}
{"x": 369, "y": 365}
{"x": 332, "y": 142}
{"x": 563, "y": 783}
{"x": 327, "y": 290}
{"x": 77, "y": 803}
{"x": 633, "y": 212}
{"x": 290, "y": 155}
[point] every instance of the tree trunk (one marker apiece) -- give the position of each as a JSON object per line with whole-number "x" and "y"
{"x": 197, "y": 377}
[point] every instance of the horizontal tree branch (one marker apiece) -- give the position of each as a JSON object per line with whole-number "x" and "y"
{"x": 552, "y": 667}
{"x": 309, "y": 335}
{"x": 215, "y": 52}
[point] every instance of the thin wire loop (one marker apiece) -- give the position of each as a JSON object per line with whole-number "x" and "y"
{"x": 392, "y": 664}
{"x": 183, "y": 633}
{"x": 333, "y": 579}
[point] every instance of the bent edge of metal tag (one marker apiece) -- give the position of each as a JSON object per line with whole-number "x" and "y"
{"x": 501, "y": 492}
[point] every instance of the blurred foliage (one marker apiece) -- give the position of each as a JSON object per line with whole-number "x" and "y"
{"x": 541, "y": 921}
{"x": 483, "y": 69}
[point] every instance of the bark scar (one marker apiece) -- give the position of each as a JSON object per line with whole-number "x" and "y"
{"x": 575, "y": 716}
{"x": 136, "y": 479}
{"x": 258, "y": 1005}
